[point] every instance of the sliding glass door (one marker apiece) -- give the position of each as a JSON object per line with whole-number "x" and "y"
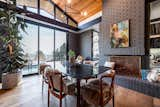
{"x": 30, "y": 47}
{"x": 46, "y": 46}
{"x": 43, "y": 45}
{"x": 60, "y": 48}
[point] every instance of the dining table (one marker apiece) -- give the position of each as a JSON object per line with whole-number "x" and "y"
{"x": 82, "y": 71}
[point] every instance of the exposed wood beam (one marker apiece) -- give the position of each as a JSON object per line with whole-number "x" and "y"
{"x": 91, "y": 23}
{"x": 90, "y": 13}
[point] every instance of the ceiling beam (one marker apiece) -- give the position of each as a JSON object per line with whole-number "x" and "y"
{"x": 63, "y": 11}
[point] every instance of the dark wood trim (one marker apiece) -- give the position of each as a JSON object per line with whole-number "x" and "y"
{"x": 155, "y": 20}
{"x": 38, "y": 6}
{"x": 91, "y": 23}
{"x": 152, "y": 0}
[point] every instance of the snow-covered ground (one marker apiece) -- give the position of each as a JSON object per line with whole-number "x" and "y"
{"x": 34, "y": 67}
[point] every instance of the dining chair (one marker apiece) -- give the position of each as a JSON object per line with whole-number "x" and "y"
{"x": 109, "y": 64}
{"x": 59, "y": 86}
{"x": 42, "y": 70}
{"x": 98, "y": 91}
{"x": 106, "y": 64}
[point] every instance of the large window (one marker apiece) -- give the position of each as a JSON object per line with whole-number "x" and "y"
{"x": 60, "y": 16}
{"x": 71, "y": 22}
{"x": 31, "y": 5}
{"x": 30, "y": 47}
{"x": 46, "y": 9}
{"x": 46, "y": 49}
{"x": 60, "y": 48}
{"x": 43, "y": 45}
{"x": 95, "y": 45}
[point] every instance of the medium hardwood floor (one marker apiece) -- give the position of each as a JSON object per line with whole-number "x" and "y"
{"x": 29, "y": 94}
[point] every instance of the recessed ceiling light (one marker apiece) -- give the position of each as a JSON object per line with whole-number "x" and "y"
{"x": 62, "y": 16}
{"x": 69, "y": 1}
{"x": 85, "y": 13}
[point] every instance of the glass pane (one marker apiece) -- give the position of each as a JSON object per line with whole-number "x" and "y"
{"x": 154, "y": 57}
{"x": 31, "y": 5}
{"x": 46, "y": 46}
{"x": 30, "y": 46}
{"x": 70, "y": 22}
{"x": 60, "y": 49}
{"x": 3, "y": 0}
{"x": 60, "y": 16}
{"x": 95, "y": 45}
{"x": 46, "y": 9}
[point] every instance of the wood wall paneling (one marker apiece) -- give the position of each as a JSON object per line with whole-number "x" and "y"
{"x": 90, "y": 6}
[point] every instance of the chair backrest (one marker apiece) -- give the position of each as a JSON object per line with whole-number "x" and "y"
{"x": 55, "y": 80}
{"x": 42, "y": 68}
{"x": 109, "y": 64}
{"x": 47, "y": 69}
{"x": 110, "y": 75}
{"x": 113, "y": 73}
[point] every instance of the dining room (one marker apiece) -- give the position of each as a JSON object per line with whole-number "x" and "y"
{"x": 79, "y": 53}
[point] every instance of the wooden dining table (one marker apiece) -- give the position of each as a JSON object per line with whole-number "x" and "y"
{"x": 81, "y": 71}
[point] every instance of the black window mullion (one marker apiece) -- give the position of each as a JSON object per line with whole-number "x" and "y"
{"x": 67, "y": 46}
{"x": 38, "y": 45}
{"x": 54, "y": 47}
{"x": 38, "y": 6}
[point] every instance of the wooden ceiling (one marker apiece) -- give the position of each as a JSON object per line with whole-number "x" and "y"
{"x": 90, "y": 6}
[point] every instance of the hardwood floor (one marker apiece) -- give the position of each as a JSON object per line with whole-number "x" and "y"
{"x": 29, "y": 94}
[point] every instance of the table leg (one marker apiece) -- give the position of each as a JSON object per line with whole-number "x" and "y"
{"x": 78, "y": 92}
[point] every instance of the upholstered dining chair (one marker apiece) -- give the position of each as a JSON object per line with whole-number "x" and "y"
{"x": 106, "y": 64}
{"x": 110, "y": 64}
{"x": 42, "y": 70}
{"x": 59, "y": 86}
{"x": 98, "y": 91}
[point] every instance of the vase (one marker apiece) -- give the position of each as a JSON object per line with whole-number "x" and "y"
{"x": 11, "y": 80}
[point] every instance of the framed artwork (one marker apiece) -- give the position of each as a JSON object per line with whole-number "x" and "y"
{"x": 119, "y": 34}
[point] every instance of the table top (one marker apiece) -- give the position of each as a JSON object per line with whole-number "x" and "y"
{"x": 81, "y": 71}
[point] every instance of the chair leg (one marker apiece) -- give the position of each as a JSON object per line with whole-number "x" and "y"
{"x": 86, "y": 80}
{"x": 42, "y": 85}
{"x": 101, "y": 105}
{"x": 113, "y": 101}
{"x": 60, "y": 102}
{"x": 48, "y": 98}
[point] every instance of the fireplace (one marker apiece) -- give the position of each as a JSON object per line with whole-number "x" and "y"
{"x": 127, "y": 65}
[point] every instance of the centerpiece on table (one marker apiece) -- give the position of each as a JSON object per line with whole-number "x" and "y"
{"x": 11, "y": 54}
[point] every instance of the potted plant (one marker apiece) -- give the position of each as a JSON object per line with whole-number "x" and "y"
{"x": 71, "y": 55}
{"x": 11, "y": 53}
